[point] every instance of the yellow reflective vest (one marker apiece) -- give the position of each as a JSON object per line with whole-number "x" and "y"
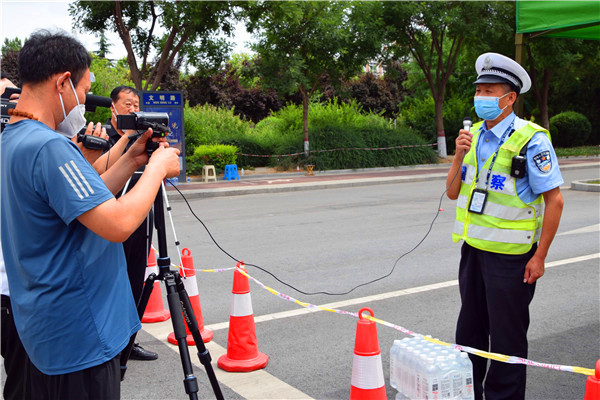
{"x": 507, "y": 224}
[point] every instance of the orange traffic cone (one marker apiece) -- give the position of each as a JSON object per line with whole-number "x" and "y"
{"x": 592, "y": 386}
{"x": 367, "y": 371}
{"x": 242, "y": 348}
{"x": 155, "y": 310}
{"x": 191, "y": 287}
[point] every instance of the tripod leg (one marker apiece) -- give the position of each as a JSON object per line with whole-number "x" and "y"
{"x": 172, "y": 284}
{"x": 190, "y": 319}
{"x": 190, "y": 383}
{"x": 141, "y": 307}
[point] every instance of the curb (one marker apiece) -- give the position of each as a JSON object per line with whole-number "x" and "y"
{"x": 584, "y": 186}
{"x": 220, "y": 192}
{"x": 173, "y": 195}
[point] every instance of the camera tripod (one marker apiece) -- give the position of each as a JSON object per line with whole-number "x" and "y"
{"x": 178, "y": 301}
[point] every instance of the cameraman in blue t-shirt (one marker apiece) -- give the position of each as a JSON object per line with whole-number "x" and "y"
{"x": 62, "y": 227}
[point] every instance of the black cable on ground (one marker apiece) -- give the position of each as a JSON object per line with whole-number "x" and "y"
{"x": 321, "y": 292}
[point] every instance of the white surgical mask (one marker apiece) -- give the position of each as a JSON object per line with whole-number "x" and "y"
{"x": 114, "y": 110}
{"x": 73, "y": 122}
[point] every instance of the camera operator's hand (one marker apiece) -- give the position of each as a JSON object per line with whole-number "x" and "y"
{"x": 6, "y": 83}
{"x": 92, "y": 155}
{"x": 137, "y": 151}
{"x": 166, "y": 158}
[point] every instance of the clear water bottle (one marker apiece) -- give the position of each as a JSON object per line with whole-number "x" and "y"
{"x": 409, "y": 377}
{"x": 430, "y": 380}
{"x": 467, "y": 377}
{"x": 422, "y": 376}
{"x": 456, "y": 373}
{"x": 444, "y": 371}
{"x": 404, "y": 366}
{"x": 394, "y": 363}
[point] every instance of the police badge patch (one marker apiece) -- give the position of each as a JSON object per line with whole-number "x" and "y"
{"x": 543, "y": 162}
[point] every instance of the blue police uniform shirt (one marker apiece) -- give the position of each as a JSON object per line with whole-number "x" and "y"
{"x": 542, "y": 172}
{"x": 72, "y": 302}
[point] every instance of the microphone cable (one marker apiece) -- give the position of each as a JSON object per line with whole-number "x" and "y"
{"x": 321, "y": 292}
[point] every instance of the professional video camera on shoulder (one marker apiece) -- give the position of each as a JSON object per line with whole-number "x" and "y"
{"x": 142, "y": 121}
{"x": 91, "y": 102}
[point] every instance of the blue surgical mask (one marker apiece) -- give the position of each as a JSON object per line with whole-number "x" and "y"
{"x": 487, "y": 107}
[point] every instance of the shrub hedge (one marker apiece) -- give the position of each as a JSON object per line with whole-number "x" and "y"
{"x": 218, "y": 155}
{"x": 332, "y": 125}
{"x": 570, "y": 129}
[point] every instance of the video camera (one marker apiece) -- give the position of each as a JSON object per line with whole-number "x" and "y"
{"x": 91, "y": 102}
{"x": 142, "y": 121}
{"x": 93, "y": 142}
{"x": 6, "y": 105}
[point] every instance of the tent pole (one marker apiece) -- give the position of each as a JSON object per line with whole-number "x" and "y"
{"x": 519, "y": 41}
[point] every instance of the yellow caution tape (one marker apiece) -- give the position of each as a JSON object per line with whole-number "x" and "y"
{"x": 493, "y": 356}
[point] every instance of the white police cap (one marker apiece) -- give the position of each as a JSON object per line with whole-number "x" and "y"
{"x": 496, "y": 68}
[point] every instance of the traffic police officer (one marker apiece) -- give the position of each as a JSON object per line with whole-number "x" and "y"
{"x": 504, "y": 174}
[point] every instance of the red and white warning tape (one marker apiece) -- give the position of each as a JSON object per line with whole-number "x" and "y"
{"x": 480, "y": 353}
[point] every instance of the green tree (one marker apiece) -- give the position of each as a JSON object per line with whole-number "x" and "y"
{"x": 300, "y": 43}
{"x": 10, "y": 59}
{"x": 432, "y": 34}
{"x": 190, "y": 29}
{"x": 11, "y": 45}
{"x": 577, "y": 88}
{"x": 103, "y": 46}
{"x": 546, "y": 58}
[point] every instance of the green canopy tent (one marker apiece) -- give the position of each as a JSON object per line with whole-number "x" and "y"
{"x": 571, "y": 19}
{"x": 564, "y": 19}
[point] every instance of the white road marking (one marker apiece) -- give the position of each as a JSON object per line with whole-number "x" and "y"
{"x": 270, "y": 387}
{"x": 585, "y": 229}
{"x": 250, "y": 385}
{"x": 381, "y": 296}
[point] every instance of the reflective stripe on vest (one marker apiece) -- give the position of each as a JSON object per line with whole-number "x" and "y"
{"x": 498, "y": 235}
{"x": 367, "y": 372}
{"x": 504, "y": 212}
{"x": 507, "y": 225}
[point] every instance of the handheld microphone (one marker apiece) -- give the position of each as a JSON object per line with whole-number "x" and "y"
{"x": 467, "y": 123}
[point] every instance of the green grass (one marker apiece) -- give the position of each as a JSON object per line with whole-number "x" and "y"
{"x": 578, "y": 151}
{"x": 596, "y": 182}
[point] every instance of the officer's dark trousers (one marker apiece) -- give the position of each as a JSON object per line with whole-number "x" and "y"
{"x": 494, "y": 315}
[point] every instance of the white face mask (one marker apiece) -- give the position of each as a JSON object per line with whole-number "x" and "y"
{"x": 114, "y": 110}
{"x": 73, "y": 122}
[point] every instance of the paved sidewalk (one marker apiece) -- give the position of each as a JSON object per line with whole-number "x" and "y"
{"x": 287, "y": 182}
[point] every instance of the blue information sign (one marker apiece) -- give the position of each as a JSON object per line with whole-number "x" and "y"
{"x": 169, "y": 99}
{"x": 171, "y": 103}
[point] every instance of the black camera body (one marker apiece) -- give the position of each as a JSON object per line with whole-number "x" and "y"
{"x": 142, "y": 121}
{"x": 4, "y": 117}
{"x": 93, "y": 142}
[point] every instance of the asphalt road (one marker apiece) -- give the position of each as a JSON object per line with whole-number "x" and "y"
{"x": 333, "y": 240}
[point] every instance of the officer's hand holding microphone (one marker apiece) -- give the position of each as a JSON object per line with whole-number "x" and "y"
{"x": 463, "y": 145}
